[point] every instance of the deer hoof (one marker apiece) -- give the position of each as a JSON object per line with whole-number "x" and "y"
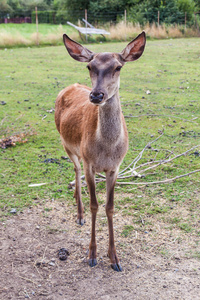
{"x": 80, "y": 222}
{"x": 92, "y": 262}
{"x": 116, "y": 267}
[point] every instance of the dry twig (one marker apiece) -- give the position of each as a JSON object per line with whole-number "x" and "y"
{"x": 27, "y": 279}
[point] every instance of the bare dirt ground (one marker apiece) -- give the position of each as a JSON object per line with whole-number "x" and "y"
{"x": 30, "y": 267}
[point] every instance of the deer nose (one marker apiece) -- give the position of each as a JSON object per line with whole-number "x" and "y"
{"x": 96, "y": 97}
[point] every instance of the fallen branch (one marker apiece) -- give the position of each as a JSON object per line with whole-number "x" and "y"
{"x": 139, "y": 156}
{"x": 158, "y": 182}
{"x": 132, "y": 171}
{"x": 158, "y": 163}
{"x": 171, "y": 159}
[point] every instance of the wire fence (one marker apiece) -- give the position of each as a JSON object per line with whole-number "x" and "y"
{"x": 61, "y": 17}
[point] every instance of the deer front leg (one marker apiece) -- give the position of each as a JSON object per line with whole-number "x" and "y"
{"x": 90, "y": 178}
{"x": 77, "y": 192}
{"x": 80, "y": 219}
{"x": 110, "y": 184}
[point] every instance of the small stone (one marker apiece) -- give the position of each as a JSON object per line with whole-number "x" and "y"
{"x": 63, "y": 254}
{"x": 13, "y": 211}
{"x": 138, "y": 266}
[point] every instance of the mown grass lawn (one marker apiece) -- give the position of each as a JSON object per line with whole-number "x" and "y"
{"x": 27, "y": 29}
{"x": 169, "y": 69}
{"x": 20, "y": 35}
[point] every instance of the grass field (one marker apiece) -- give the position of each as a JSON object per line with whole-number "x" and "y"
{"x": 23, "y": 35}
{"x": 169, "y": 70}
{"x": 18, "y": 35}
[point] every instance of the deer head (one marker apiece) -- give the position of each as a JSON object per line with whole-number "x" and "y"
{"x": 105, "y": 67}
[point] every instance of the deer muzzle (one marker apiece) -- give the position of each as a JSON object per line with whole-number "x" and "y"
{"x": 96, "y": 97}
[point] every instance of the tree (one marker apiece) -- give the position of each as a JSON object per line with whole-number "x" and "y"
{"x": 171, "y": 11}
{"x": 188, "y": 7}
{"x": 197, "y": 5}
{"x": 5, "y": 8}
{"x": 25, "y": 7}
{"x": 106, "y": 10}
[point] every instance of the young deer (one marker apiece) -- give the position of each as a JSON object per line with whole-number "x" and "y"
{"x": 92, "y": 128}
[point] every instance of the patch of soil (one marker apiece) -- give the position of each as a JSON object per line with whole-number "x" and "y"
{"x": 31, "y": 269}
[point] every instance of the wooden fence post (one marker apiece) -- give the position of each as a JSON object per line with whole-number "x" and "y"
{"x": 185, "y": 19}
{"x": 36, "y": 21}
{"x": 125, "y": 23}
{"x": 86, "y": 24}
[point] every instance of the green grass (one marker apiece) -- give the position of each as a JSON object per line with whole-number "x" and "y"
{"x": 127, "y": 230}
{"x": 22, "y": 35}
{"x": 27, "y": 29}
{"x": 30, "y": 81}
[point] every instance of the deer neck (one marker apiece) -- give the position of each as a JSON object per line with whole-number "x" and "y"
{"x": 110, "y": 119}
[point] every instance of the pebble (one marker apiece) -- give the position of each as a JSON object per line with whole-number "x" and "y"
{"x": 138, "y": 266}
{"x": 13, "y": 211}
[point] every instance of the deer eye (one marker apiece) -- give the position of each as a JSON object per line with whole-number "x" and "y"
{"x": 118, "y": 69}
{"x": 89, "y": 68}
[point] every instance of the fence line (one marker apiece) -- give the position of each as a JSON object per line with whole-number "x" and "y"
{"x": 55, "y": 17}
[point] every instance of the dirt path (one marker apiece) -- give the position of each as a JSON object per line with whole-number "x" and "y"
{"x": 31, "y": 269}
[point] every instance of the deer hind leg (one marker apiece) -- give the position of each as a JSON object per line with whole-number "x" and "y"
{"x": 110, "y": 184}
{"x": 90, "y": 178}
{"x": 77, "y": 192}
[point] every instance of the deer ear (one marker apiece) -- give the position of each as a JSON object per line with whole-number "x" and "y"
{"x": 135, "y": 48}
{"x": 76, "y": 50}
